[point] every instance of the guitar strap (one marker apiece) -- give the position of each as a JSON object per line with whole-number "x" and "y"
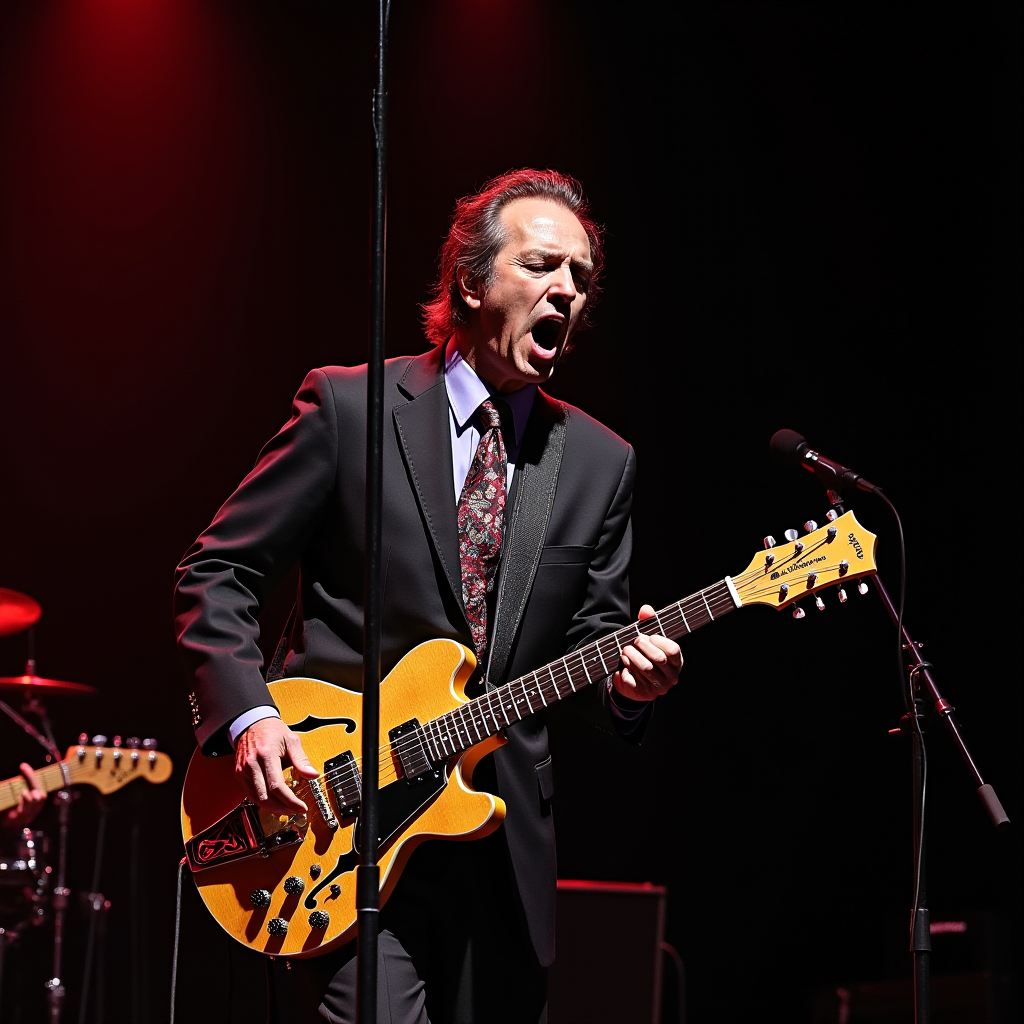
{"x": 275, "y": 670}
{"x": 536, "y": 480}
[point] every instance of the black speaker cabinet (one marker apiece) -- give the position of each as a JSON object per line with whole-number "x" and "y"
{"x": 608, "y": 954}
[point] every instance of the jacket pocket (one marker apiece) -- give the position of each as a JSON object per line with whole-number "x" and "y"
{"x": 545, "y": 779}
{"x": 567, "y": 554}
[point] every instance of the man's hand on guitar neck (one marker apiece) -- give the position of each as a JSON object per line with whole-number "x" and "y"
{"x": 259, "y": 753}
{"x": 30, "y": 802}
{"x": 650, "y": 667}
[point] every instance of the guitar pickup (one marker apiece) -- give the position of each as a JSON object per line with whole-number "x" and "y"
{"x": 409, "y": 752}
{"x": 242, "y": 832}
{"x": 343, "y": 776}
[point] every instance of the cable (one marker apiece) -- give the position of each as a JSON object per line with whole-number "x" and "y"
{"x": 668, "y": 948}
{"x": 177, "y": 932}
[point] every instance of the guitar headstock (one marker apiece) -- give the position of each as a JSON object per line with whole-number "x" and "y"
{"x": 110, "y": 768}
{"x": 831, "y": 555}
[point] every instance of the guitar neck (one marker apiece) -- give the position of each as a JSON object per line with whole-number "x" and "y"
{"x": 483, "y": 717}
{"x": 50, "y": 778}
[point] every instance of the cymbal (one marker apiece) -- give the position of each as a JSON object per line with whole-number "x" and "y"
{"x": 17, "y": 612}
{"x": 28, "y": 683}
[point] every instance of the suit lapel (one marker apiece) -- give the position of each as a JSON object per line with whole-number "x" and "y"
{"x": 425, "y": 439}
{"x": 540, "y": 457}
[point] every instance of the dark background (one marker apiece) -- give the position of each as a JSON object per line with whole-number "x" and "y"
{"x": 813, "y": 223}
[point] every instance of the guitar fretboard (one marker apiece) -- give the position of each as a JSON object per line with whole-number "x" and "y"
{"x": 471, "y": 723}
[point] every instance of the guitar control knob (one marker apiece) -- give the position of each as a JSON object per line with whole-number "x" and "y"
{"x": 319, "y": 919}
{"x": 314, "y": 870}
{"x": 791, "y": 535}
{"x": 810, "y": 526}
{"x": 277, "y": 926}
{"x": 260, "y": 898}
{"x": 293, "y": 885}
{"x": 335, "y": 889}
{"x": 798, "y": 612}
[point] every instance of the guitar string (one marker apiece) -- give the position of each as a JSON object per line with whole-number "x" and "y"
{"x": 442, "y": 735}
{"x": 508, "y": 700}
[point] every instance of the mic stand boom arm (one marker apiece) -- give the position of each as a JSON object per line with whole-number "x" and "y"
{"x": 923, "y": 681}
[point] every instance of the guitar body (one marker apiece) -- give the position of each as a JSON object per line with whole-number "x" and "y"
{"x": 427, "y": 683}
{"x": 287, "y": 886}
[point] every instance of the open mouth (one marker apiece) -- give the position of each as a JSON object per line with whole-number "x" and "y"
{"x": 546, "y": 332}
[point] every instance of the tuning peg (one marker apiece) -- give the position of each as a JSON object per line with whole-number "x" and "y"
{"x": 133, "y": 742}
{"x": 149, "y": 744}
{"x": 831, "y": 515}
{"x": 99, "y": 740}
{"x": 83, "y": 739}
{"x": 798, "y": 612}
{"x": 810, "y": 526}
{"x": 862, "y": 587}
{"x": 842, "y": 595}
{"x": 791, "y": 534}
{"x": 769, "y": 541}
{"x": 819, "y": 603}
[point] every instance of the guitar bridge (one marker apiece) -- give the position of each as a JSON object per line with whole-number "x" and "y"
{"x": 242, "y": 832}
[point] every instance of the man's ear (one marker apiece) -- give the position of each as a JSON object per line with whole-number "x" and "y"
{"x": 470, "y": 289}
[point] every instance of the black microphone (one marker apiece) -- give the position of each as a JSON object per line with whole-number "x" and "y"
{"x": 790, "y": 445}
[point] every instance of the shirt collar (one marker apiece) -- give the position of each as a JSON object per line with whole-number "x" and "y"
{"x": 466, "y": 391}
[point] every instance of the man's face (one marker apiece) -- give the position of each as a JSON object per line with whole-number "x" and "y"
{"x": 521, "y": 320}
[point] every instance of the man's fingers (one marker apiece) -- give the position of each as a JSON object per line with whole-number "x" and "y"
{"x": 278, "y": 792}
{"x": 297, "y": 756}
{"x": 258, "y": 765}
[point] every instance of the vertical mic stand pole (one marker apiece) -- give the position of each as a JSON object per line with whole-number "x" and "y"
{"x": 922, "y": 689}
{"x": 367, "y": 870}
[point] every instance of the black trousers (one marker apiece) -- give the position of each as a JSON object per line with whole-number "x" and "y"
{"x": 453, "y": 948}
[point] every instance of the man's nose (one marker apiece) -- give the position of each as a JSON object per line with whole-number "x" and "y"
{"x": 562, "y": 283}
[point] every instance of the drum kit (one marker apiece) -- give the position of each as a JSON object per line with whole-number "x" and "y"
{"x": 31, "y": 891}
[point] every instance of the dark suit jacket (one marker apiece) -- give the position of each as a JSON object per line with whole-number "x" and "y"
{"x": 305, "y": 500}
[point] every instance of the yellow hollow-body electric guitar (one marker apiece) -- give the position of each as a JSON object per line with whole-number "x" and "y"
{"x": 286, "y": 885}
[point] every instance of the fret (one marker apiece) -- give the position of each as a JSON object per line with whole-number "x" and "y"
{"x": 565, "y": 665}
{"x": 472, "y": 718}
{"x": 540, "y": 690}
{"x": 706, "y": 605}
{"x": 526, "y": 694}
{"x": 679, "y": 605}
{"x": 554, "y": 682}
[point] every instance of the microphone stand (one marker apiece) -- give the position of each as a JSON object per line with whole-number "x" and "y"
{"x": 923, "y": 689}
{"x": 367, "y": 869}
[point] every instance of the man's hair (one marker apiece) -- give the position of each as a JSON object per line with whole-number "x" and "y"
{"x": 476, "y": 236}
